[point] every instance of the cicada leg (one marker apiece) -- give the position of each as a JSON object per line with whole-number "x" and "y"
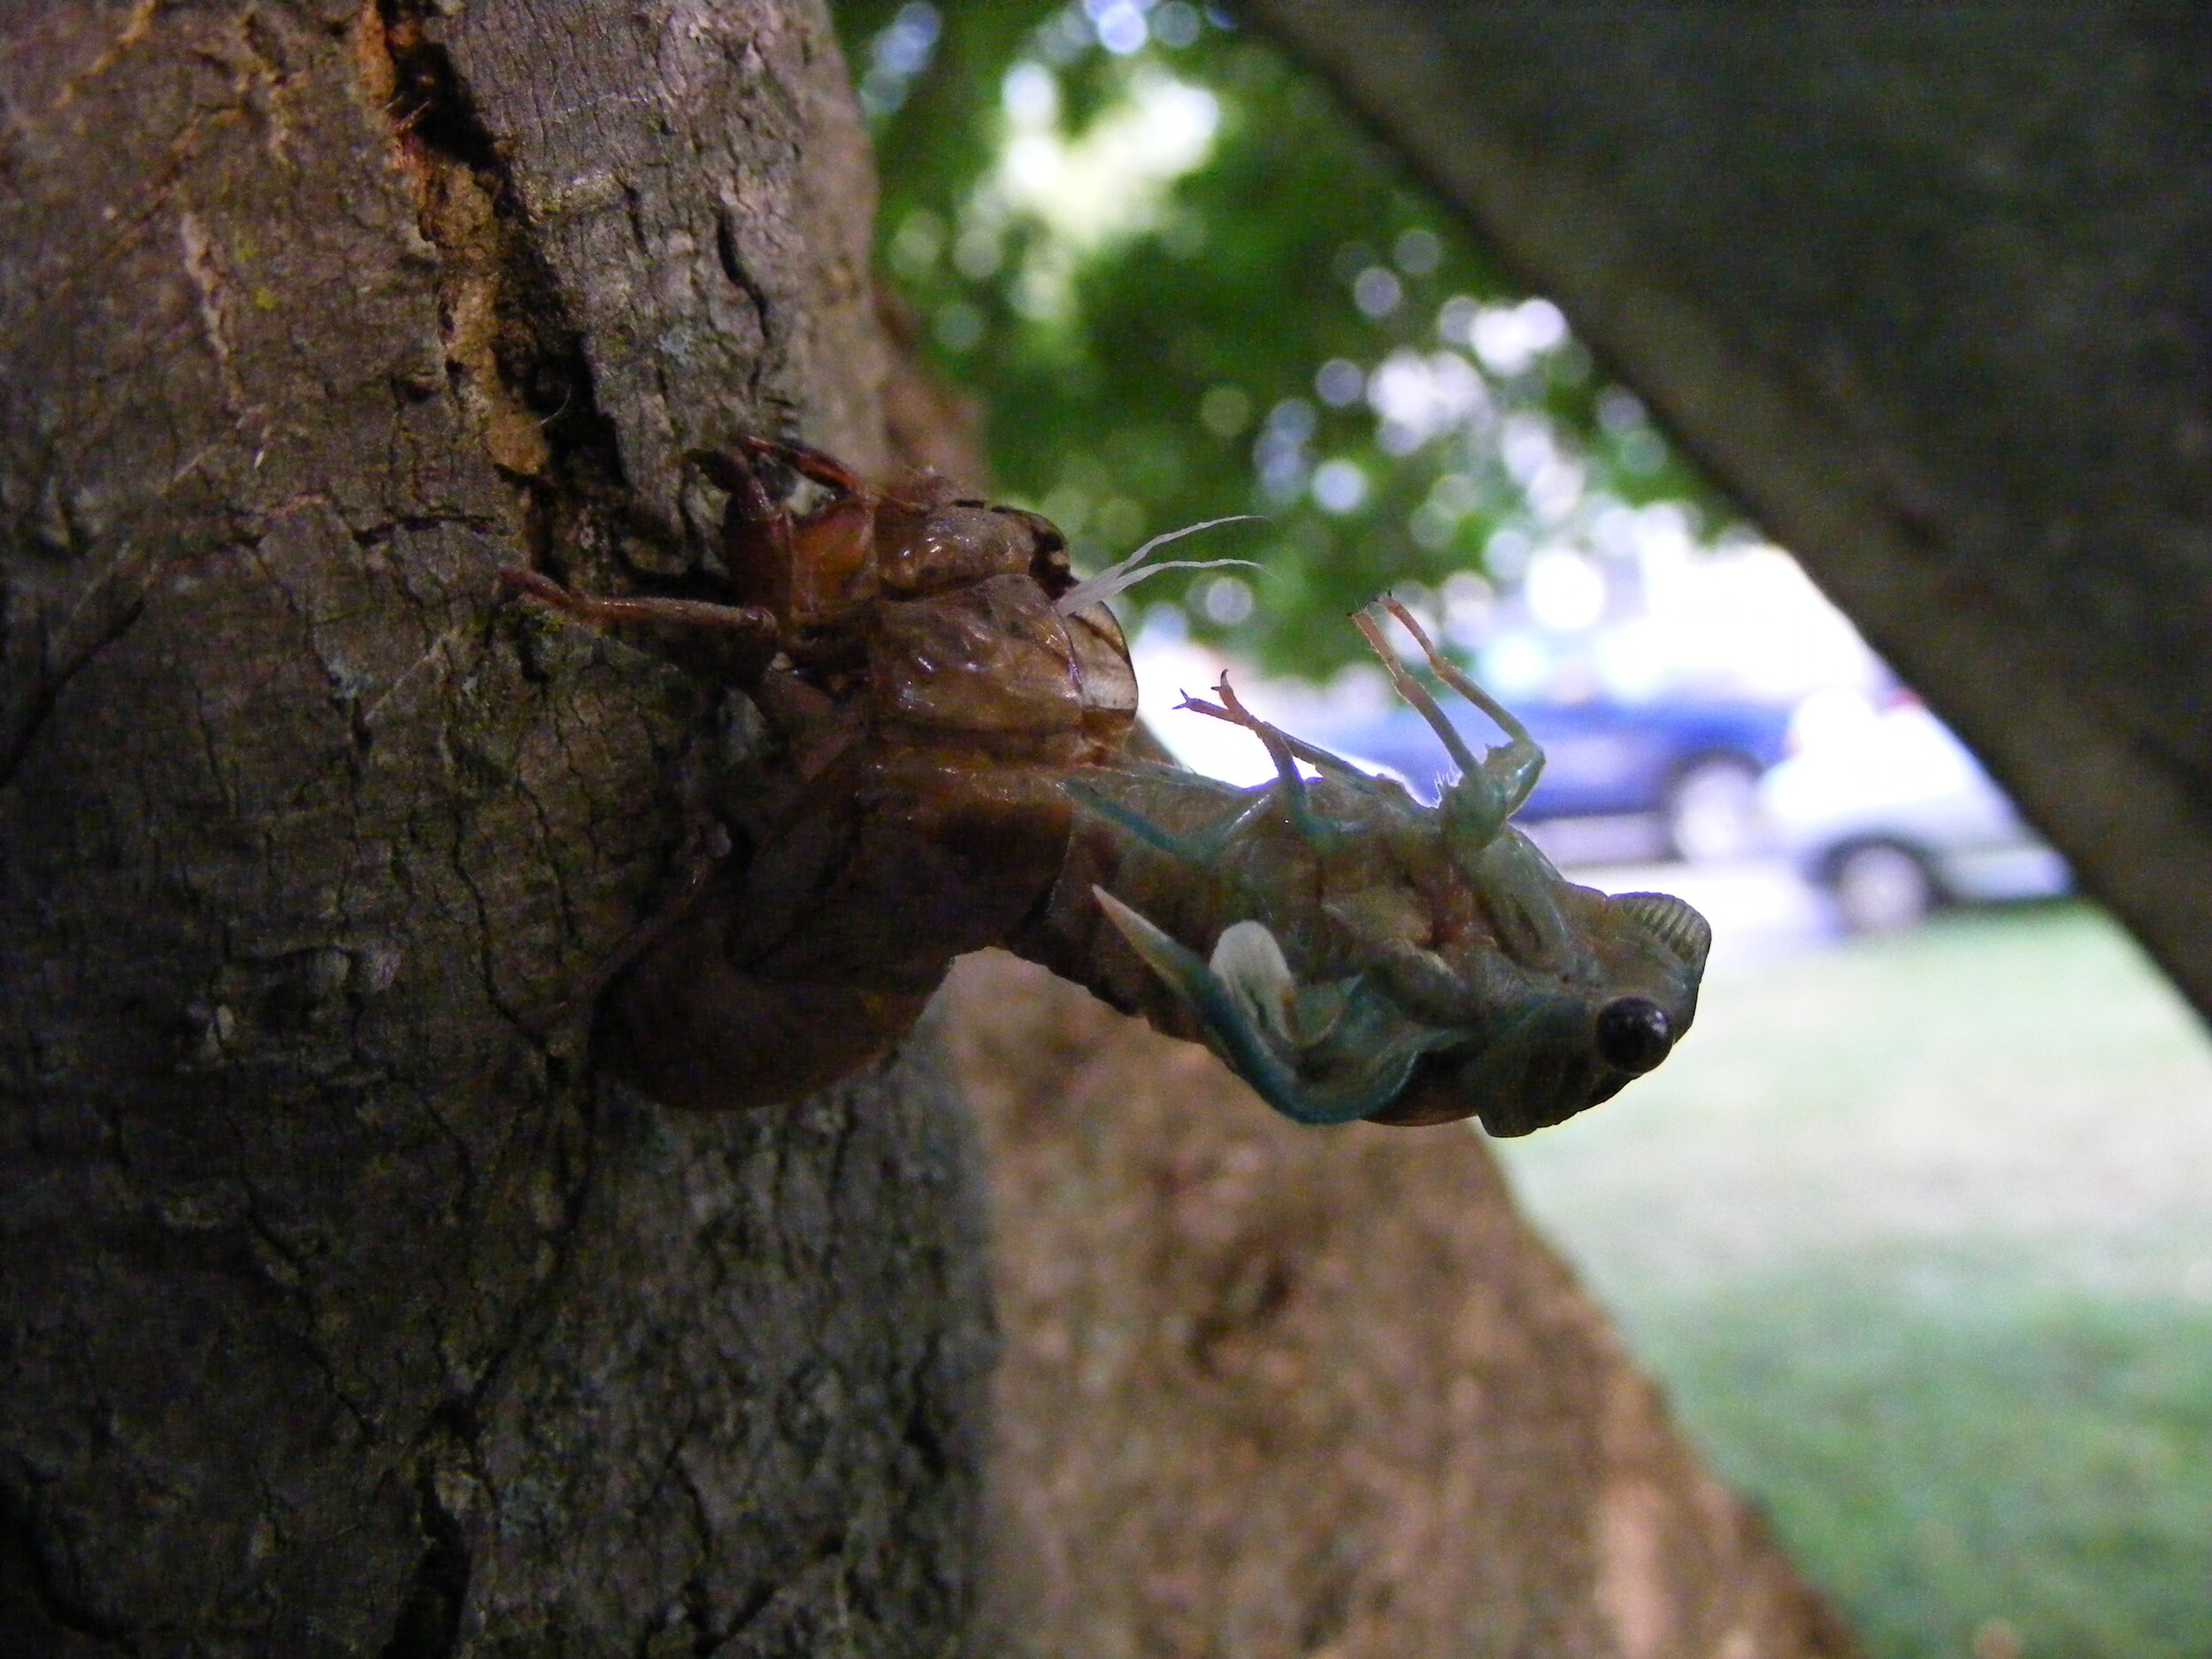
{"x": 756, "y": 524}
{"x": 826, "y": 471}
{"x": 1202, "y": 849}
{"x": 1205, "y": 847}
{"x": 1280, "y": 743}
{"x": 1516, "y": 882}
{"x": 704, "y": 850}
{"x": 804, "y": 566}
{"x": 1505, "y": 775}
{"x": 651, "y": 609}
{"x": 1285, "y": 750}
{"x": 757, "y": 552}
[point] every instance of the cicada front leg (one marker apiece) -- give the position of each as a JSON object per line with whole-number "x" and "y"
{"x": 807, "y": 567}
{"x": 754, "y": 622}
{"x": 1517, "y": 883}
{"x": 1491, "y": 789}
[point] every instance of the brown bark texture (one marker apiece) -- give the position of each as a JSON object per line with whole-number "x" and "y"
{"x": 344, "y": 1308}
{"x": 1272, "y": 1391}
{"x": 1926, "y": 288}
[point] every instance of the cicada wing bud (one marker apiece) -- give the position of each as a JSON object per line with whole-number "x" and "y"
{"x": 1184, "y": 973}
{"x": 1249, "y": 962}
{"x": 1259, "y": 1045}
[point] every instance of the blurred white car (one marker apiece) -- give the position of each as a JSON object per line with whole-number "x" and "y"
{"x": 1889, "y": 813}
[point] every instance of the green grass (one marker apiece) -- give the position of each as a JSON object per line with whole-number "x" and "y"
{"x": 1919, "y": 1236}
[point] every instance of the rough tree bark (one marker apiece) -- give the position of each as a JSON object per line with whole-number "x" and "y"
{"x": 340, "y": 1312}
{"x": 1925, "y": 287}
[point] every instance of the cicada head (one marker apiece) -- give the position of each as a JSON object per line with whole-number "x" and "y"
{"x": 1539, "y": 1047}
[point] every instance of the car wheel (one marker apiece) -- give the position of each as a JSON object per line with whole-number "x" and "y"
{"x": 1881, "y": 888}
{"x": 1713, "y": 811}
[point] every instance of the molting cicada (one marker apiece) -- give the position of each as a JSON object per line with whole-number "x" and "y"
{"x": 957, "y": 764}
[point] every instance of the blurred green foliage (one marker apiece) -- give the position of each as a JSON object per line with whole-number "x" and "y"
{"x": 1185, "y": 284}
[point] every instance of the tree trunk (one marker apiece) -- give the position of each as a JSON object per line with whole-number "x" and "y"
{"x": 347, "y": 1308}
{"x": 1925, "y": 286}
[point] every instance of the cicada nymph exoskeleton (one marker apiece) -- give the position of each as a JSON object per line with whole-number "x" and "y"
{"x": 955, "y": 769}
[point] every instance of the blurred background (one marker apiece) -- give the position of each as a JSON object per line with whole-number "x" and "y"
{"x": 1911, "y": 1226}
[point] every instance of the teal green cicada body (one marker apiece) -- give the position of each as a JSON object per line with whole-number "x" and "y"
{"x": 1354, "y": 954}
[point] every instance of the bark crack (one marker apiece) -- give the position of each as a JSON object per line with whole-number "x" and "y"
{"x": 515, "y": 358}
{"x": 53, "y": 682}
{"x": 383, "y": 530}
{"x": 429, "y": 1622}
{"x": 211, "y": 287}
{"x": 27, "y": 1574}
{"x": 764, "y": 1614}
{"x": 732, "y": 263}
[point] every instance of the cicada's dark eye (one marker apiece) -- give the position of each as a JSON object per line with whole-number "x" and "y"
{"x": 1633, "y": 1033}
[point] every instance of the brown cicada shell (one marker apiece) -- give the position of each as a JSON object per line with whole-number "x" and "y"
{"x": 954, "y": 769}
